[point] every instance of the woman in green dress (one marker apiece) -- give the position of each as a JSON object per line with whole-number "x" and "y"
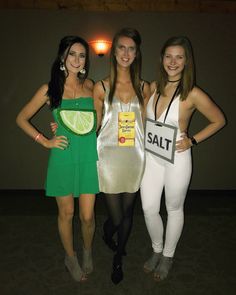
{"x": 72, "y": 169}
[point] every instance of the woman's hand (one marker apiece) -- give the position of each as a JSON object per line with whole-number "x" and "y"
{"x": 183, "y": 144}
{"x": 54, "y": 127}
{"x": 60, "y": 142}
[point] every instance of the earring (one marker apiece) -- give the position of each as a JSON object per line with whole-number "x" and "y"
{"x": 62, "y": 67}
{"x": 82, "y": 71}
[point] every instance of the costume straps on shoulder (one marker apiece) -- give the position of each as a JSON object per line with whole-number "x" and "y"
{"x": 142, "y": 83}
{"x": 154, "y": 86}
{"x": 103, "y": 85}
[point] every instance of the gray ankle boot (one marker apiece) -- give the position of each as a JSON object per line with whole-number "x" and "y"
{"x": 71, "y": 263}
{"x": 162, "y": 270}
{"x": 87, "y": 261}
{"x": 152, "y": 262}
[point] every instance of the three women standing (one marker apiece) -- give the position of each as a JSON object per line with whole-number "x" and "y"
{"x": 120, "y": 102}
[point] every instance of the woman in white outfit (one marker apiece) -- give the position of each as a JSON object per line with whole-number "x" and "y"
{"x": 173, "y": 101}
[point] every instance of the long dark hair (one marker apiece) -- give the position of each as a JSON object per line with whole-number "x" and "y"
{"x": 58, "y": 77}
{"x": 187, "y": 81}
{"x": 135, "y": 67}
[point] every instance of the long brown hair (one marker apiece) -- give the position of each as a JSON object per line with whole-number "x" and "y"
{"x": 58, "y": 77}
{"x": 135, "y": 67}
{"x": 187, "y": 81}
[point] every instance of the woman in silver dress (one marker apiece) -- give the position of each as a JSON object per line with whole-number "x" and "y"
{"x": 120, "y": 101}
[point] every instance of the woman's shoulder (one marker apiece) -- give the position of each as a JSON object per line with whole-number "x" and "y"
{"x": 42, "y": 92}
{"x": 41, "y": 95}
{"x": 144, "y": 84}
{"x": 196, "y": 92}
{"x": 145, "y": 89}
{"x": 104, "y": 82}
{"x": 100, "y": 89}
{"x": 43, "y": 88}
{"x": 153, "y": 86}
{"x": 198, "y": 97}
{"x": 89, "y": 84}
{"x": 102, "y": 85}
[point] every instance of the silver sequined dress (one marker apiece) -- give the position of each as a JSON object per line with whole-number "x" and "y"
{"x": 120, "y": 169}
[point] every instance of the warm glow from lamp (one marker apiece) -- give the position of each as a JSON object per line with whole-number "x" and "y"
{"x": 100, "y": 47}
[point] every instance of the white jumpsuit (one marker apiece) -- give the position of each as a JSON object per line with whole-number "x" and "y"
{"x": 174, "y": 178}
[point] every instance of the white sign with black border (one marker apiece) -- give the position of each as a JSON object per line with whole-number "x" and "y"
{"x": 160, "y": 139}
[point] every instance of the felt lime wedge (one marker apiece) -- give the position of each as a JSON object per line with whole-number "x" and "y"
{"x": 79, "y": 122}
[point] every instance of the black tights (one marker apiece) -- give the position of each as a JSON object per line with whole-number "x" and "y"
{"x": 120, "y": 209}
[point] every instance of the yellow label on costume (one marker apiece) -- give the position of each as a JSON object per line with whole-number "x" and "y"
{"x": 126, "y": 128}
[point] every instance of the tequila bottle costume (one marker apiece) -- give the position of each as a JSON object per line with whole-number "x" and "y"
{"x": 73, "y": 170}
{"x": 120, "y": 168}
{"x": 174, "y": 178}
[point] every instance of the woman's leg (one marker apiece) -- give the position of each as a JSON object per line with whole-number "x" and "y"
{"x": 65, "y": 217}
{"x": 127, "y": 201}
{"x": 120, "y": 209}
{"x": 176, "y": 185}
{"x": 151, "y": 192}
{"x": 110, "y": 226}
{"x": 86, "y": 210}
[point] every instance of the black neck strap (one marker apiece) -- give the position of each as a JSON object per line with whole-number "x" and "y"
{"x": 169, "y": 105}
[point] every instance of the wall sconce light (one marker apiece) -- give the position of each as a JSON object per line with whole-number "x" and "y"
{"x": 100, "y": 47}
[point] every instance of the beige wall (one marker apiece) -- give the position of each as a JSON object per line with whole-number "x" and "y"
{"x": 29, "y": 41}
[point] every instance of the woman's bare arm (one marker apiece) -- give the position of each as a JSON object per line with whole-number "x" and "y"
{"x": 29, "y": 110}
{"x": 98, "y": 95}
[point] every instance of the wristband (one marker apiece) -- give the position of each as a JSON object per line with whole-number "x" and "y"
{"x": 193, "y": 140}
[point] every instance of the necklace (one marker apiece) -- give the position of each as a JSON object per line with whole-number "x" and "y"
{"x": 174, "y": 81}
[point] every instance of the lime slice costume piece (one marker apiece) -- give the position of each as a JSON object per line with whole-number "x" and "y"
{"x": 79, "y": 122}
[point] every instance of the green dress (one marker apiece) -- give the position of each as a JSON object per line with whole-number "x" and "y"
{"x": 73, "y": 170}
